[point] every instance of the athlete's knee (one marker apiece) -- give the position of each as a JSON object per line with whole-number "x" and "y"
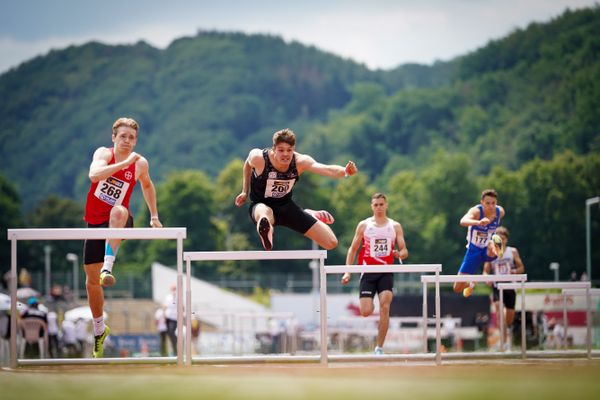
{"x": 365, "y": 313}
{"x": 329, "y": 243}
{"x": 118, "y": 216}
{"x": 92, "y": 283}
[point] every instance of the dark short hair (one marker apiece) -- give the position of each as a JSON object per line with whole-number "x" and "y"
{"x": 489, "y": 192}
{"x": 284, "y": 136}
{"x": 378, "y": 195}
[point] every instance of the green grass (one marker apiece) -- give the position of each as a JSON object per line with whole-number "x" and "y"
{"x": 546, "y": 380}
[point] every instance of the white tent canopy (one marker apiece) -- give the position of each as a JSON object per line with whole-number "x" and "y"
{"x": 210, "y": 304}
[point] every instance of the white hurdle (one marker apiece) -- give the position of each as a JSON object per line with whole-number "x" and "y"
{"x": 437, "y": 279}
{"x": 190, "y": 256}
{"x": 585, "y": 286}
{"x": 577, "y": 292}
{"x": 393, "y": 268}
{"x": 14, "y": 235}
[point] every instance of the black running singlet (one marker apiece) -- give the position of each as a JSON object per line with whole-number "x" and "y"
{"x": 273, "y": 187}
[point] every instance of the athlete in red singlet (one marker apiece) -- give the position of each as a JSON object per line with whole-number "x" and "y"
{"x": 113, "y": 173}
{"x": 382, "y": 239}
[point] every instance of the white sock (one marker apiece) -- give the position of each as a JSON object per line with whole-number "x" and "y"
{"x": 108, "y": 263}
{"x": 99, "y": 326}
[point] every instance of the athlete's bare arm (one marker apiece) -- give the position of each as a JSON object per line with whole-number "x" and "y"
{"x": 354, "y": 246}
{"x": 520, "y": 267}
{"x": 472, "y": 218}
{"x": 401, "y": 252}
{"x": 305, "y": 162}
{"x": 254, "y": 161}
{"x": 502, "y": 212}
{"x": 148, "y": 190}
{"x": 99, "y": 168}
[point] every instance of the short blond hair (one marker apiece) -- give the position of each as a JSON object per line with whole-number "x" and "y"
{"x": 125, "y": 121}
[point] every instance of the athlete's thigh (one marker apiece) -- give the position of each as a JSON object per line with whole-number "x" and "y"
{"x": 385, "y": 283}
{"x": 294, "y": 217}
{"x": 472, "y": 261}
{"x": 368, "y": 286}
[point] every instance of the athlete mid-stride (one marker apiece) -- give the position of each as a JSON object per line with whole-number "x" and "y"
{"x": 113, "y": 174}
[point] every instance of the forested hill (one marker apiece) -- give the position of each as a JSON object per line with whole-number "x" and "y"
{"x": 200, "y": 102}
{"x": 532, "y": 94}
{"x": 207, "y": 99}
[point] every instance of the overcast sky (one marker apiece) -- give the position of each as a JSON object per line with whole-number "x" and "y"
{"x": 378, "y": 33}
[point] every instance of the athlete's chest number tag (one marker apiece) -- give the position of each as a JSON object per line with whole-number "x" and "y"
{"x": 111, "y": 191}
{"x": 480, "y": 238}
{"x": 502, "y": 267}
{"x": 278, "y": 188}
{"x": 380, "y": 247}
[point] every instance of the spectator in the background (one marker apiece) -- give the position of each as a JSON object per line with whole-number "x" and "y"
{"x": 170, "y": 307}
{"x": 53, "y": 332}
{"x": 34, "y": 311}
{"x": 69, "y": 339}
{"x": 81, "y": 334}
{"x": 573, "y": 276}
{"x": 24, "y": 278}
{"x": 161, "y": 327}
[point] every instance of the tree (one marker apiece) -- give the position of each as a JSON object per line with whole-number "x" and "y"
{"x": 10, "y": 217}
{"x": 186, "y": 199}
{"x": 55, "y": 212}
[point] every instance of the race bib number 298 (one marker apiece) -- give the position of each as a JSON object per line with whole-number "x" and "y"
{"x": 111, "y": 191}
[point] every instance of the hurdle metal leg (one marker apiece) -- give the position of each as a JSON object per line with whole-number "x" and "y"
{"x": 523, "y": 323}
{"x": 500, "y": 318}
{"x": 323, "y": 311}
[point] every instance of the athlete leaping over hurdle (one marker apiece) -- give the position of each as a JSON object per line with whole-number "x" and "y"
{"x": 269, "y": 176}
{"x": 482, "y": 242}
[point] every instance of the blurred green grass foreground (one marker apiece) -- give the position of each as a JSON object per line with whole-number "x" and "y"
{"x": 546, "y": 379}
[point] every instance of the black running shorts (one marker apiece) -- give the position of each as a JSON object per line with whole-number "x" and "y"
{"x": 509, "y": 296}
{"x": 290, "y": 215}
{"x": 93, "y": 250}
{"x": 373, "y": 283}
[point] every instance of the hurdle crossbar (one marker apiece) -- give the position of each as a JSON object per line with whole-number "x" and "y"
{"x": 14, "y": 235}
{"x": 400, "y": 268}
{"x": 581, "y": 292}
{"x": 254, "y": 255}
{"x": 545, "y": 285}
{"x": 190, "y": 256}
{"x": 389, "y": 268}
{"x": 437, "y": 279}
{"x": 474, "y": 278}
{"x": 585, "y": 287}
{"x": 95, "y": 233}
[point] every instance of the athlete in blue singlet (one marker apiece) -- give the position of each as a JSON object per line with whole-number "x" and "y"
{"x": 482, "y": 221}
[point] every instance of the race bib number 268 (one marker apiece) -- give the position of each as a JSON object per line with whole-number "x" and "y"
{"x": 111, "y": 191}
